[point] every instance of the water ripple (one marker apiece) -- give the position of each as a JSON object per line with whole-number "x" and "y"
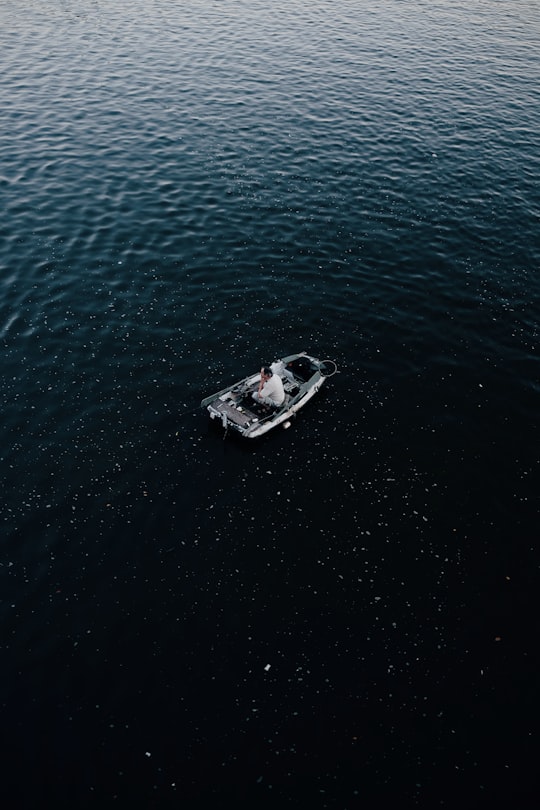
{"x": 190, "y": 189}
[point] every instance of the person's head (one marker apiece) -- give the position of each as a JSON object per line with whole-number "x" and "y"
{"x": 267, "y": 372}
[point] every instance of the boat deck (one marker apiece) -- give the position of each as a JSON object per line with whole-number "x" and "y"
{"x": 243, "y": 418}
{"x": 235, "y": 407}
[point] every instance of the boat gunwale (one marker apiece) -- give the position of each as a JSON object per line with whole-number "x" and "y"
{"x": 307, "y": 389}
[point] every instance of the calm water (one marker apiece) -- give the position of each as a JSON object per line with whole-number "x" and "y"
{"x": 340, "y": 615}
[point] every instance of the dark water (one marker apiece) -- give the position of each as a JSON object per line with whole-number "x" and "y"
{"x": 341, "y": 615}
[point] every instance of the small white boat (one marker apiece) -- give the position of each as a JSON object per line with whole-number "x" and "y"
{"x": 302, "y": 376}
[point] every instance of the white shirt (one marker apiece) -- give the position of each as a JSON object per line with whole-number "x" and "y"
{"x": 273, "y": 389}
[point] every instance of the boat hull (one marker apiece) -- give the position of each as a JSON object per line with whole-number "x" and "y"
{"x": 234, "y": 407}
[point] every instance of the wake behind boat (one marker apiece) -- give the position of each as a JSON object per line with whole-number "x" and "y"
{"x": 302, "y": 376}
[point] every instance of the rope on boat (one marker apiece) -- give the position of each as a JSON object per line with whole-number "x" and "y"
{"x": 332, "y": 363}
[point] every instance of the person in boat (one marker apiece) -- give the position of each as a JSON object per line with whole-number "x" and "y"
{"x": 270, "y": 392}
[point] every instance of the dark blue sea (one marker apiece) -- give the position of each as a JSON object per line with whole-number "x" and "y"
{"x": 340, "y": 615}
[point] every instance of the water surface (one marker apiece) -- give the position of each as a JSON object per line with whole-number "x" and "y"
{"x": 336, "y": 615}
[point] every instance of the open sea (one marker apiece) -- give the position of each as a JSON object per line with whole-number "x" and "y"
{"x": 340, "y": 615}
